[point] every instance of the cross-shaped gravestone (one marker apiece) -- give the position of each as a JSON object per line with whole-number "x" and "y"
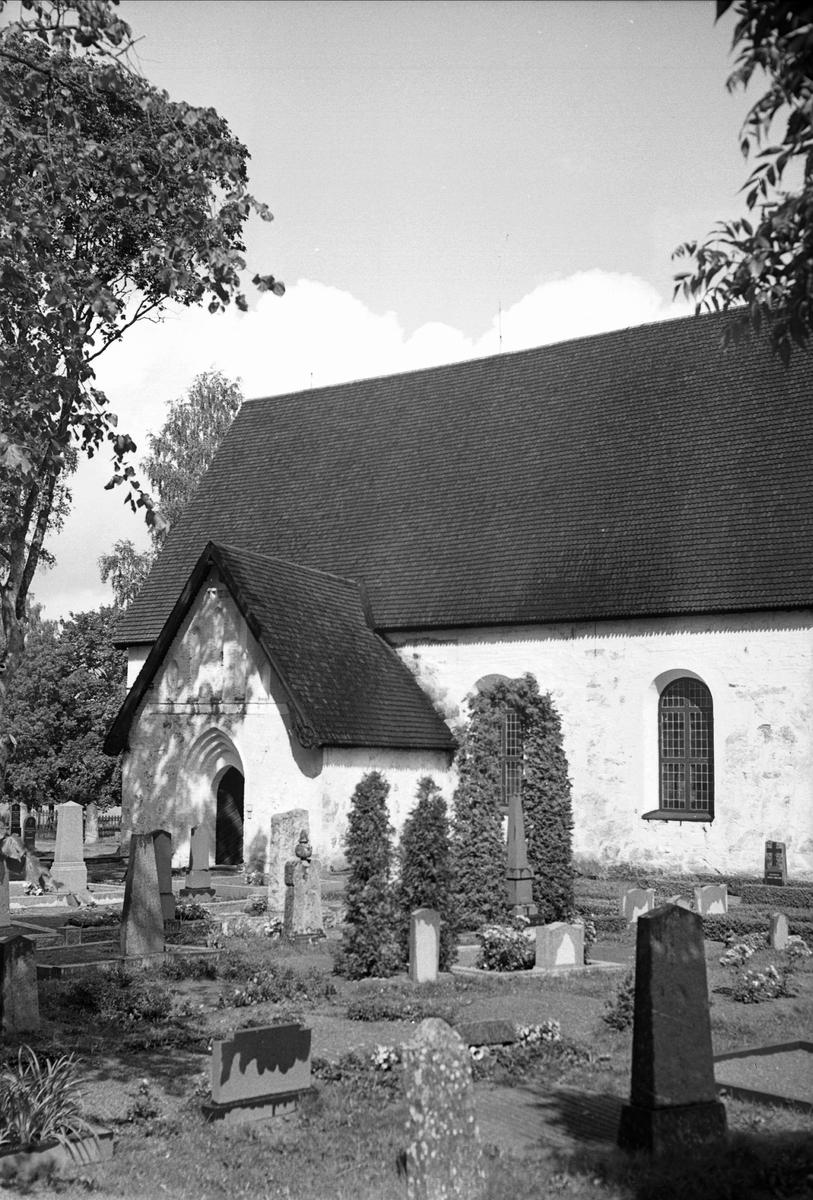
{"x": 776, "y": 869}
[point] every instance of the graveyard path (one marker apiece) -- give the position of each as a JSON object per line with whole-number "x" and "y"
{"x": 534, "y": 1118}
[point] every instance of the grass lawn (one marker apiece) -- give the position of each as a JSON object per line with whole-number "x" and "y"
{"x": 142, "y": 1049}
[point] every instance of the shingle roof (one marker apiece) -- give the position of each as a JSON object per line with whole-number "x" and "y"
{"x": 645, "y": 471}
{"x": 345, "y": 685}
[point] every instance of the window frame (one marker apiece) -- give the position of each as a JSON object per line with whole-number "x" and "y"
{"x": 697, "y": 703}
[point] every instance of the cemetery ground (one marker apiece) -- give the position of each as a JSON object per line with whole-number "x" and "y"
{"x": 547, "y": 1111}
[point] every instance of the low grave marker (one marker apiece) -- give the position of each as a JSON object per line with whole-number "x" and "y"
{"x": 198, "y": 877}
{"x": 424, "y": 945}
{"x": 673, "y": 1097}
{"x": 559, "y": 945}
{"x": 778, "y": 931}
{"x": 776, "y": 864}
{"x": 711, "y": 899}
{"x": 259, "y": 1073}
{"x": 19, "y": 999}
{"x": 635, "y": 902}
{"x": 443, "y": 1158}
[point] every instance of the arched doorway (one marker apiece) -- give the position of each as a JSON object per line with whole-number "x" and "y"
{"x": 229, "y": 819}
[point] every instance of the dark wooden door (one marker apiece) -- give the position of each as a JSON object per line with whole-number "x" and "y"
{"x": 229, "y": 821}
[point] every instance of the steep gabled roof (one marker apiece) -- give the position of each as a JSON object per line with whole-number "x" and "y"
{"x": 344, "y": 684}
{"x": 641, "y": 472}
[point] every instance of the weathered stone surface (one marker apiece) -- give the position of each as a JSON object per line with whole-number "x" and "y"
{"x": 19, "y": 999}
{"x": 711, "y": 899}
{"x": 69, "y": 872}
{"x": 142, "y": 922}
{"x": 488, "y": 1033}
{"x": 444, "y": 1158}
{"x": 778, "y": 932}
{"x": 5, "y": 910}
{"x": 302, "y": 913}
{"x": 518, "y": 876}
{"x": 635, "y": 902}
{"x": 559, "y": 945}
{"x": 776, "y": 863}
{"x": 672, "y": 1062}
{"x": 162, "y": 841}
{"x": 91, "y": 823}
{"x": 424, "y": 945}
{"x": 286, "y": 828}
{"x": 261, "y": 1062}
{"x": 198, "y": 878}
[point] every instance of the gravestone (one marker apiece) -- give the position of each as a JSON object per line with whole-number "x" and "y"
{"x": 778, "y": 932}
{"x": 488, "y": 1033}
{"x": 30, "y": 833}
{"x": 712, "y": 899}
{"x": 142, "y": 922}
{"x": 162, "y": 841}
{"x": 5, "y": 908}
{"x": 16, "y": 827}
{"x": 776, "y": 864}
{"x": 518, "y": 876}
{"x": 19, "y": 999}
{"x": 285, "y": 830}
{"x": 559, "y": 945}
{"x": 259, "y": 1073}
{"x": 635, "y": 902}
{"x": 673, "y": 1097}
{"x": 444, "y": 1158}
{"x": 69, "y": 871}
{"x": 91, "y": 824}
{"x": 681, "y": 902}
{"x": 424, "y": 945}
{"x": 302, "y": 914}
{"x": 198, "y": 877}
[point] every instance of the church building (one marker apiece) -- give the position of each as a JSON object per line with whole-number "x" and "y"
{"x": 627, "y": 517}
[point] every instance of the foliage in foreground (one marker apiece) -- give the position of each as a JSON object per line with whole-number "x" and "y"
{"x": 763, "y": 265}
{"x": 620, "y": 1008}
{"x": 426, "y": 870}
{"x": 40, "y": 1101}
{"x": 369, "y": 943}
{"x": 507, "y": 947}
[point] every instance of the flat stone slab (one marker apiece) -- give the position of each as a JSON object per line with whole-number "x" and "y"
{"x": 541, "y": 972}
{"x": 99, "y": 956}
{"x": 781, "y": 1074}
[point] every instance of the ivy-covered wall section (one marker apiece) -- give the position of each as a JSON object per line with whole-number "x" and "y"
{"x": 479, "y": 846}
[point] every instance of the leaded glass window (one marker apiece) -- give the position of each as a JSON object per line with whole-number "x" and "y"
{"x": 511, "y": 756}
{"x": 686, "y": 748}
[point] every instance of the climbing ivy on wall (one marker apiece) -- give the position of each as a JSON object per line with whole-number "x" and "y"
{"x": 426, "y": 870}
{"x": 479, "y": 848}
{"x": 369, "y": 944}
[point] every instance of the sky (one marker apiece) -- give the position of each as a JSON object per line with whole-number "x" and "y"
{"x": 449, "y": 178}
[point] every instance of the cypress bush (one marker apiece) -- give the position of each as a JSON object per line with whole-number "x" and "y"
{"x": 369, "y": 944}
{"x": 479, "y": 847}
{"x": 426, "y": 870}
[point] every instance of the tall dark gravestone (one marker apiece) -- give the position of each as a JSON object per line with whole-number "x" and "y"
{"x": 776, "y": 864}
{"x": 673, "y": 1097}
{"x": 15, "y": 819}
{"x": 30, "y": 833}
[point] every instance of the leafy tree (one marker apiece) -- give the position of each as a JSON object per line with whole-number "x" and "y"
{"x": 426, "y": 870}
{"x": 763, "y": 266}
{"x": 479, "y": 848}
{"x": 114, "y": 200}
{"x": 179, "y": 457}
{"x": 59, "y": 708}
{"x": 369, "y": 945}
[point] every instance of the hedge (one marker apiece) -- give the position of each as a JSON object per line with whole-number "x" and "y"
{"x": 741, "y": 922}
{"x": 777, "y": 897}
{"x": 426, "y": 870}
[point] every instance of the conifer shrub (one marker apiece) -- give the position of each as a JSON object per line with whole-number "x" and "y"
{"x": 370, "y": 942}
{"x": 479, "y": 847}
{"x": 426, "y": 870}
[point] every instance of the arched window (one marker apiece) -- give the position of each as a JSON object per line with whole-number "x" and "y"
{"x": 511, "y": 757}
{"x": 686, "y": 728}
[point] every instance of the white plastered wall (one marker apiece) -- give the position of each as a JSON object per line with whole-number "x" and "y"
{"x": 215, "y": 703}
{"x": 605, "y": 679}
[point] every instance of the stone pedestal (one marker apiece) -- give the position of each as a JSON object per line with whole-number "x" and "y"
{"x": 444, "y": 1158}
{"x": 162, "y": 843}
{"x": 142, "y": 922}
{"x": 69, "y": 872}
{"x": 285, "y": 830}
{"x": 19, "y": 999}
{"x": 303, "y": 900}
{"x": 673, "y": 1096}
{"x": 198, "y": 877}
{"x": 424, "y": 945}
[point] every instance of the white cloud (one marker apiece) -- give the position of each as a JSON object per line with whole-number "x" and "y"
{"x": 316, "y": 335}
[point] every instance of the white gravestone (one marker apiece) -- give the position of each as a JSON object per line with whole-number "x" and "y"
{"x": 712, "y": 899}
{"x": 778, "y": 933}
{"x": 559, "y": 945}
{"x": 69, "y": 870}
{"x": 635, "y": 902}
{"x": 424, "y": 945}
